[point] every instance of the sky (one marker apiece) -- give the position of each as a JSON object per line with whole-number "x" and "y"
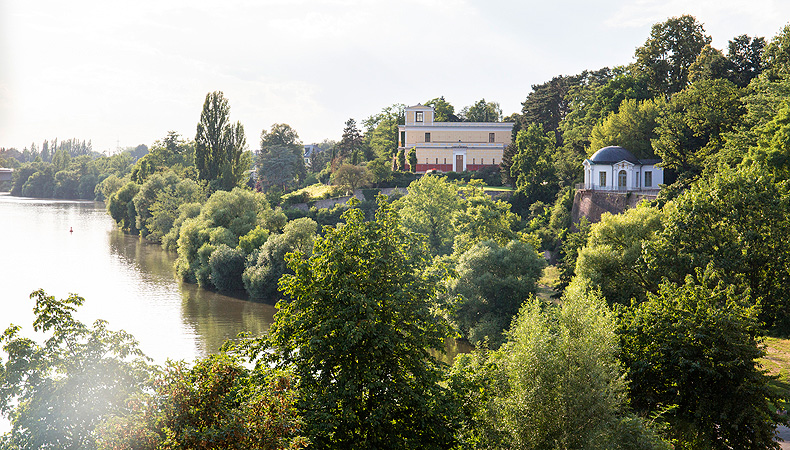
{"x": 125, "y": 73}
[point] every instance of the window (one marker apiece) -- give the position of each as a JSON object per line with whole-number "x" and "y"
{"x": 493, "y": 161}
{"x": 602, "y": 179}
{"x": 418, "y": 116}
{"x": 427, "y": 137}
{"x": 473, "y": 160}
{"x": 648, "y": 179}
{"x": 491, "y": 137}
{"x": 445, "y": 160}
{"x": 636, "y": 179}
{"x": 437, "y": 161}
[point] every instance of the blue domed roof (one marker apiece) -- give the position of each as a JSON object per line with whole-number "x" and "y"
{"x": 613, "y": 154}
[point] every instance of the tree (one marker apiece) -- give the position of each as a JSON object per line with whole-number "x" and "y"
{"x": 745, "y": 56}
{"x": 56, "y": 393}
{"x": 532, "y": 167}
{"x": 353, "y": 177}
{"x": 776, "y": 59}
{"x": 691, "y": 353}
{"x": 413, "y": 160}
{"x": 710, "y": 65}
{"x": 216, "y": 403}
{"x": 492, "y": 282}
{"x": 546, "y": 104}
{"x": 443, "y": 110}
{"x": 220, "y": 147}
{"x": 381, "y": 130}
{"x": 358, "y": 331}
{"x": 482, "y": 111}
{"x": 428, "y": 209}
{"x": 482, "y": 218}
{"x": 669, "y": 52}
{"x": 612, "y": 259}
{"x": 555, "y": 384}
{"x": 632, "y": 127}
{"x": 737, "y": 221}
{"x": 280, "y": 160}
{"x": 261, "y": 279}
{"x": 351, "y": 146}
{"x": 401, "y": 160}
{"x": 692, "y": 127}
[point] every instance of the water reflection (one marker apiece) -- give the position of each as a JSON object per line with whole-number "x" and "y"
{"x": 210, "y": 316}
{"x": 124, "y": 280}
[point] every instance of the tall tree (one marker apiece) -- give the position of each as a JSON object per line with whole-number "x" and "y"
{"x": 358, "y": 331}
{"x": 220, "y": 146}
{"x": 671, "y": 49}
{"x": 692, "y": 127}
{"x": 691, "y": 353}
{"x": 745, "y": 55}
{"x": 482, "y": 111}
{"x": 445, "y": 112}
{"x": 351, "y": 146}
{"x": 776, "y": 58}
{"x": 532, "y": 166}
{"x": 280, "y": 160}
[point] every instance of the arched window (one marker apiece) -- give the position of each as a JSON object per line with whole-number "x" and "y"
{"x": 622, "y": 178}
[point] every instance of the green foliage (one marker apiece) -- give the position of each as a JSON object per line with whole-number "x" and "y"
{"x": 532, "y": 166}
{"x": 280, "y": 160}
{"x": 443, "y": 110}
{"x": 413, "y": 159}
{"x": 631, "y": 127}
{"x": 260, "y": 279}
{"x": 492, "y": 282}
{"x": 380, "y": 170}
{"x": 220, "y": 147}
{"x": 217, "y": 403}
{"x": 669, "y": 52}
{"x": 690, "y": 350}
{"x": 710, "y": 65}
{"x": 226, "y": 265}
{"x": 253, "y": 240}
{"x": 692, "y": 127}
{"x": 481, "y": 219}
{"x": 222, "y": 220}
{"x": 351, "y": 177}
{"x": 572, "y": 242}
{"x": 381, "y": 131}
{"x": 428, "y": 209}
{"x": 57, "y": 392}
{"x": 776, "y": 58}
{"x": 358, "y": 330}
{"x": 738, "y": 221}
{"x": 482, "y": 111}
{"x": 612, "y": 260}
{"x": 556, "y": 383}
{"x": 121, "y": 207}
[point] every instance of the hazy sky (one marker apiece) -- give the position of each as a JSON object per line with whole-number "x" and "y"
{"x": 125, "y": 73}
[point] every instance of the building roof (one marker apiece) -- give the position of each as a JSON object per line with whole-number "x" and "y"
{"x": 613, "y": 154}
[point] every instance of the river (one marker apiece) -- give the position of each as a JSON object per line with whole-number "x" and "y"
{"x": 74, "y": 247}
{"x": 124, "y": 280}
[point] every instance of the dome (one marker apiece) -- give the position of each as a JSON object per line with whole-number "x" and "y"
{"x": 613, "y": 154}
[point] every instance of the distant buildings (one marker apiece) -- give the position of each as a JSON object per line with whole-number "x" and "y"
{"x": 452, "y": 146}
{"x": 310, "y": 151}
{"x": 616, "y": 169}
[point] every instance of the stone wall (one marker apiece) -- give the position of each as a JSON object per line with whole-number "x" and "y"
{"x": 592, "y": 204}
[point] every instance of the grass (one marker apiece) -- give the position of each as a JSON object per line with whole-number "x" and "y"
{"x": 546, "y": 282}
{"x": 777, "y": 362}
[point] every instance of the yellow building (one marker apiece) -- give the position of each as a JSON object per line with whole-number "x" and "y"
{"x": 452, "y": 146}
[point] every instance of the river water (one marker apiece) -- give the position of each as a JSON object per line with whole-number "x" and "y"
{"x": 123, "y": 279}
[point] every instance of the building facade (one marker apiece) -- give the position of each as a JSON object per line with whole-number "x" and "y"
{"x": 616, "y": 169}
{"x": 452, "y": 146}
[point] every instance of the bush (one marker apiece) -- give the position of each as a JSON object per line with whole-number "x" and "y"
{"x": 227, "y": 265}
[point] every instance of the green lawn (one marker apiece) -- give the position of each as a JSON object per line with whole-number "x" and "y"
{"x": 547, "y": 281}
{"x": 777, "y": 362}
